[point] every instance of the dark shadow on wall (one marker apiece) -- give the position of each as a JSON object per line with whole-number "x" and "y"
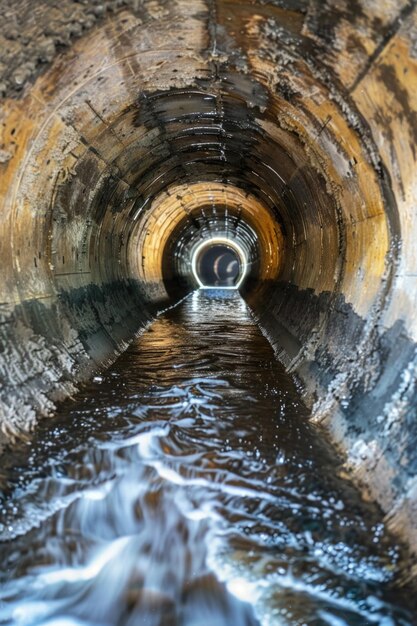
{"x": 352, "y": 364}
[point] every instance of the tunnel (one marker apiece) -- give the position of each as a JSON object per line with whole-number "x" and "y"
{"x": 149, "y": 148}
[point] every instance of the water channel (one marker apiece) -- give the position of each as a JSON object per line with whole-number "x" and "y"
{"x": 186, "y": 487}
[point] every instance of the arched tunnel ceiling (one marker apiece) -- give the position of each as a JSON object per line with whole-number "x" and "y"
{"x": 131, "y": 131}
{"x": 187, "y": 214}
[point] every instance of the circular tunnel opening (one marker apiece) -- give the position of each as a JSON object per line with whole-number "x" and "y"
{"x": 218, "y": 263}
{"x": 218, "y": 266}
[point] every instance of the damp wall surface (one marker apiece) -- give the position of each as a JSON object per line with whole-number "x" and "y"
{"x": 132, "y": 131}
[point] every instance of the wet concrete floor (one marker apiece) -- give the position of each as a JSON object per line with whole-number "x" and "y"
{"x": 186, "y": 487}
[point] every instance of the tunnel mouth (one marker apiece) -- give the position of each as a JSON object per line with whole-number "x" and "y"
{"x": 219, "y": 263}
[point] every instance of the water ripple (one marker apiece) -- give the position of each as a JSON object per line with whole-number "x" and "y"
{"x": 187, "y": 487}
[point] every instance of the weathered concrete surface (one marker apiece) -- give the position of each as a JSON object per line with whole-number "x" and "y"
{"x": 290, "y": 125}
{"x": 34, "y": 33}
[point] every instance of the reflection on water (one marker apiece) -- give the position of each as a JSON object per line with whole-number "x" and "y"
{"x": 186, "y": 488}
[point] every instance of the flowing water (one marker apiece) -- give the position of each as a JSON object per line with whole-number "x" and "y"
{"x": 186, "y": 488}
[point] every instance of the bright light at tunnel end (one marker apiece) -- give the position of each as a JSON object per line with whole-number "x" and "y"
{"x": 208, "y": 243}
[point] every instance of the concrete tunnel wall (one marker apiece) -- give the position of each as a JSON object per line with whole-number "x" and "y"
{"x": 132, "y": 130}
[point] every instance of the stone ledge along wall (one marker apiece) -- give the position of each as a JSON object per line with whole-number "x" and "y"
{"x": 131, "y": 130}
